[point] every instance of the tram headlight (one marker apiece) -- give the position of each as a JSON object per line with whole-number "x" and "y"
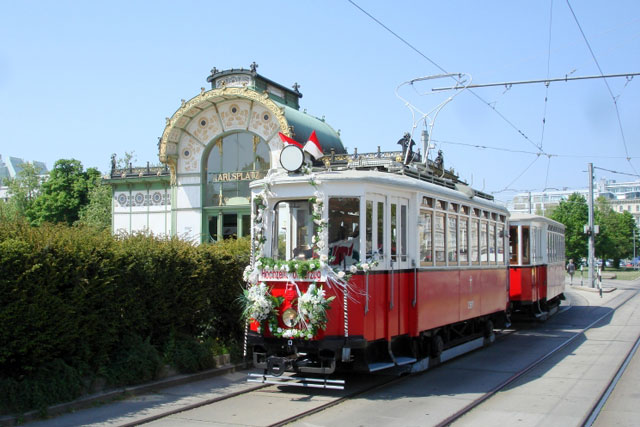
{"x": 290, "y": 317}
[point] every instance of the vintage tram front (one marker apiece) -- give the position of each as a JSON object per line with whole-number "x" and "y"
{"x": 370, "y": 268}
{"x": 537, "y": 264}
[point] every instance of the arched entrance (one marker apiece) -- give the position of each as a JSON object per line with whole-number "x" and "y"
{"x": 230, "y": 162}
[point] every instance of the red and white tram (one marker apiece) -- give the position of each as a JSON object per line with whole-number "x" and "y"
{"x": 537, "y": 264}
{"x": 371, "y": 263}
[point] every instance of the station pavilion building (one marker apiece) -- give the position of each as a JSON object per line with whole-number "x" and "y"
{"x": 212, "y": 147}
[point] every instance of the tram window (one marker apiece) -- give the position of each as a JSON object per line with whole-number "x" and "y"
{"x": 425, "y": 236}
{"x": 394, "y": 231}
{"x": 475, "y": 259}
{"x": 500, "y": 247}
{"x": 484, "y": 256}
{"x": 513, "y": 245}
{"x": 403, "y": 233}
{"x": 526, "y": 258}
{"x": 344, "y": 232}
{"x": 294, "y": 227}
{"x": 439, "y": 239}
{"x": 452, "y": 239}
{"x": 464, "y": 241}
{"x": 369, "y": 229}
{"x": 380, "y": 229}
{"x": 492, "y": 243}
{"x": 374, "y": 232}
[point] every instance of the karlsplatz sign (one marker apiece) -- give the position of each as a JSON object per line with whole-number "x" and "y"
{"x": 235, "y": 176}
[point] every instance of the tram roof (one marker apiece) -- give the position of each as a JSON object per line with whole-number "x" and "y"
{"x": 516, "y": 217}
{"x": 460, "y": 194}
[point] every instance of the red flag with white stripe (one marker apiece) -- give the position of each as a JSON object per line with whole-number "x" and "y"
{"x": 286, "y": 140}
{"x": 313, "y": 147}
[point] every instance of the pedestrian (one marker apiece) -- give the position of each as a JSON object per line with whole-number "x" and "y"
{"x": 571, "y": 269}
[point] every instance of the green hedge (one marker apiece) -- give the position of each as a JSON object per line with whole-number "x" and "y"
{"x": 88, "y": 302}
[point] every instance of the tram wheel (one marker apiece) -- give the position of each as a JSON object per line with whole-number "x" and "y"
{"x": 488, "y": 328}
{"x": 437, "y": 346}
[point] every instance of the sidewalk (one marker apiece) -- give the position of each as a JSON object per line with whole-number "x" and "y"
{"x": 578, "y": 285}
{"x": 144, "y": 403}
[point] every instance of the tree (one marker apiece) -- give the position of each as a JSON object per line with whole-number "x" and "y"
{"x": 615, "y": 240}
{"x": 574, "y": 214}
{"x": 97, "y": 212}
{"x": 65, "y": 193}
{"x": 23, "y": 190}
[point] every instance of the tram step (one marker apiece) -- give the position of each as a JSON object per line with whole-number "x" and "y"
{"x": 296, "y": 381}
{"x": 404, "y": 360}
{"x": 380, "y": 366}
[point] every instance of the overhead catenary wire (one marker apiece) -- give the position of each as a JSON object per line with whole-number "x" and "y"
{"x": 535, "y": 153}
{"x": 518, "y": 177}
{"x": 616, "y": 172}
{"x": 566, "y": 78}
{"x": 615, "y": 101}
{"x": 546, "y": 91}
{"x": 502, "y": 116}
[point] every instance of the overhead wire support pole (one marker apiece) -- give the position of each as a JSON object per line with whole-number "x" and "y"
{"x": 525, "y": 82}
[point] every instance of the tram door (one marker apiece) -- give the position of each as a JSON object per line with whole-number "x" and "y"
{"x": 399, "y": 262}
{"x": 376, "y": 251}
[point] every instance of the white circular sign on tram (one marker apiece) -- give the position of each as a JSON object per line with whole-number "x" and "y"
{"x": 291, "y": 158}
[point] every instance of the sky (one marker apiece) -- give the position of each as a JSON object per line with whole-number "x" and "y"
{"x": 84, "y": 80}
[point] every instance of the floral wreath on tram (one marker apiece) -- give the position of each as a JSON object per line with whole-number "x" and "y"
{"x": 313, "y": 304}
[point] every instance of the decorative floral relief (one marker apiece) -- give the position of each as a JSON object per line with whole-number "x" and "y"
{"x": 190, "y": 155}
{"x": 262, "y": 122}
{"x": 205, "y": 126}
{"x": 138, "y": 199}
{"x": 234, "y": 115}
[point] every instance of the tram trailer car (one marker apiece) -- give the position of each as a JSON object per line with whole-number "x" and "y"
{"x": 427, "y": 265}
{"x": 537, "y": 264}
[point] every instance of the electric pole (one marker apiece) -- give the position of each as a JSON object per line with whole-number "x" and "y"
{"x": 591, "y": 230}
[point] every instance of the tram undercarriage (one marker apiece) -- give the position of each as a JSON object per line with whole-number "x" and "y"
{"x": 276, "y": 356}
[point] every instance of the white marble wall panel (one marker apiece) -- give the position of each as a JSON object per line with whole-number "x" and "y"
{"x": 188, "y": 197}
{"x": 160, "y": 223}
{"x": 139, "y": 222}
{"x": 234, "y": 114}
{"x": 121, "y": 223}
{"x": 193, "y": 179}
{"x": 189, "y": 225}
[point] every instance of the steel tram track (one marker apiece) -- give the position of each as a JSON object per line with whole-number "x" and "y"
{"x": 192, "y": 406}
{"x": 459, "y": 414}
{"x": 391, "y": 381}
{"x": 381, "y": 382}
{"x": 597, "y": 408}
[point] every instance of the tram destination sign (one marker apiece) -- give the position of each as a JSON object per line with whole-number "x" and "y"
{"x": 284, "y": 276}
{"x": 235, "y": 176}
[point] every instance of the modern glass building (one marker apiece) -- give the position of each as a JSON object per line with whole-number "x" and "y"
{"x": 622, "y": 196}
